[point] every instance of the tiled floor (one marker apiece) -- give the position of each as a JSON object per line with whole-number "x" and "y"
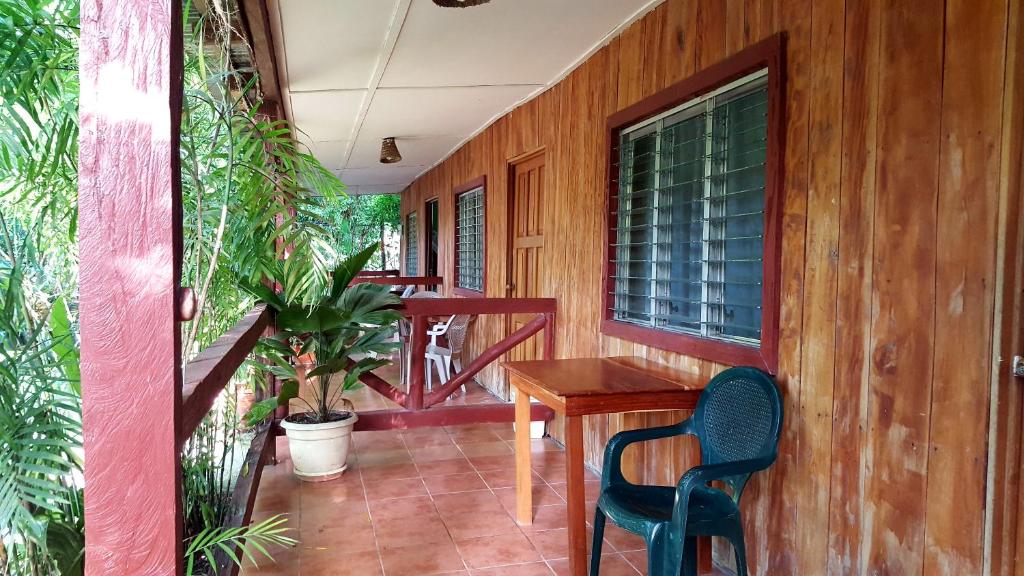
{"x": 431, "y": 501}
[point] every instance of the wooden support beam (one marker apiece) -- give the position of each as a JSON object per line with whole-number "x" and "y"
{"x": 208, "y": 373}
{"x": 130, "y": 242}
{"x": 256, "y": 20}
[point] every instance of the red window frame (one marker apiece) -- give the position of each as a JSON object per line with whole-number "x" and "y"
{"x": 768, "y": 54}
{"x": 479, "y": 182}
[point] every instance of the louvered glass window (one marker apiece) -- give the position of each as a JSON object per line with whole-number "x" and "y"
{"x": 412, "y": 252}
{"x": 690, "y": 216}
{"x": 469, "y": 239}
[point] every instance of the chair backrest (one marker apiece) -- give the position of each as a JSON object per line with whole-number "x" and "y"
{"x": 404, "y": 326}
{"x": 409, "y": 291}
{"x": 739, "y": 417}
{"x": 456, "y": 333}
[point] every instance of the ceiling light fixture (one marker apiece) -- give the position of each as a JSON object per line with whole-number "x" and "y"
{"x": 459, "y": 3}
{"x": 389, "y": 153}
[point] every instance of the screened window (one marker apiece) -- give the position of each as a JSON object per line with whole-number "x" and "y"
{"x": 469, "y": 239}
{"x": 689, "y": 227}
{"x": 412, "y": 252}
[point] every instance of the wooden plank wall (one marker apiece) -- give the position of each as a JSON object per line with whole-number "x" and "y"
{"x": 896, "y": 115}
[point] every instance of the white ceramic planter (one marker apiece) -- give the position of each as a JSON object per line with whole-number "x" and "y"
{"x": 320, "y": 451}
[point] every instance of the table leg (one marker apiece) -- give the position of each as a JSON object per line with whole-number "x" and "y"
{"x": 524, "y": 479}
{"x": 576, "y": 495}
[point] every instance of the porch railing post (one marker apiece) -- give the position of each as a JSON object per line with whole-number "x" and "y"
{"x": 549, "y": 335}
{"x": 417, "y": 371}
{"x": 130, "y": 270}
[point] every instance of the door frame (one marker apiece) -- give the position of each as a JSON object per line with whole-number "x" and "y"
{"x": 510, "y": 212}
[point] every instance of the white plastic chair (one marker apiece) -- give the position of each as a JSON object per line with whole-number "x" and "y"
{"x": 404, "y": 331}
{"x": 444, "y": 358}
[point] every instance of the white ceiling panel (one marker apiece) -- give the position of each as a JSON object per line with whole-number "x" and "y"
{"x": 334, "y": 44}
{"x": 416, "y": 150}
{"x": 503, "y": 42}
{"x": 331, "y": 154}
{"x": 439, "y": 110}
{"x": 374, "y": 176}
{"x": 325, "y": 116}
{"x": 356, "y": 71}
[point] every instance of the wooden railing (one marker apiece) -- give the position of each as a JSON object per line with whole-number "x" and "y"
{"x": 209, "y": 372}
{"x": 421, "y": 281}
{"x": 377, "y": 273}
{"x": 419, "y": 312}
{"x": 204, "y": 379}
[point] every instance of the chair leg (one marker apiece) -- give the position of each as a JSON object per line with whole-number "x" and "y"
{"x": 595, "y": 550}
{"x": 740, "y": 548}
{"x": 429, "y": 365}
{"x": 446, "y": 366}
{"x": 656, "y": 554}
{"x": 457, "y": 363}
{"x": 690, "y": 557}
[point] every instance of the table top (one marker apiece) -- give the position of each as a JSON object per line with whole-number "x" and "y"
{"x": 578, "y": 386}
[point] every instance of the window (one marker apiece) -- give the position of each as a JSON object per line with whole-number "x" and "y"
{"x": 469, "y": 238}
{"x": 692, "y": 226}
{"x": 412, "y": 253}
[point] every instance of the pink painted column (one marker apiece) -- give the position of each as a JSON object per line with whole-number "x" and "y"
{"x": 130, "y": 246}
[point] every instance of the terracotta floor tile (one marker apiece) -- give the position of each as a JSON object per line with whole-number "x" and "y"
{"x": 592, "y": 489}
{"x": 477, "y": 501}
{"x": 328, "y": 563}
{"x": 402, "y": 532}
{"x": 454, "y": 483}
{"x": 383, "y": 458}
{"x": 545, "y": 445}
{"x": 414, "y": 560}
{"x": 616, "y": 565}
{"x": 504, "y": 430}
{"x": 284, "y": 561}
{"x": 385, "y": 489}
{"x": 496, "y": 448}
{"x": 424, "y": 455}
{"x": 500, "y": 550}
{"x": 548, "y": 518}
{"x": 316, "y": 519}
{"x": 543, "y": 495}
{"x": 474, "y": 436}
{"x": 503, "y": 478}
{"x": 552, "y": 473}
{"x": 622, "y": 540}
{"x": 475, "y": 524}
{"x": 348, "y": 488}
{"x": 397, "y": 508}
{"x": 458, "y": 465}
{"x": 531, "y": 569}
{"x": 388, "y": 471}
{"x": 554, "y": 544}
{"x": 494, "y": 462}
{"x": 638, "y": 558}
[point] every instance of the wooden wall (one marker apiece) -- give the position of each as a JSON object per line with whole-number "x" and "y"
{"x": 896, "y": 114}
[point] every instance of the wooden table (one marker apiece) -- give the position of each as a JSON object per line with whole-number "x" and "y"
{"x": 582, "y": 386}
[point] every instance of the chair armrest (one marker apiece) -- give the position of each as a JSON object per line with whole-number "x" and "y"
{"x": 701, "y": 475}
{"x": 612, "y": 472}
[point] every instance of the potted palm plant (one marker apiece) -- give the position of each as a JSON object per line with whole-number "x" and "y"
{"x": 342, "y": 334}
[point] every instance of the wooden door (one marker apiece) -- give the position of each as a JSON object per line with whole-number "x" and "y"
{"x": 526, "y": 245}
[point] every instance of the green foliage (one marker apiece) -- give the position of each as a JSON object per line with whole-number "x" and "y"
{"x": 40, "y": 419}
{"x": 249, "y": 539}
{"x": 345, "y": 330}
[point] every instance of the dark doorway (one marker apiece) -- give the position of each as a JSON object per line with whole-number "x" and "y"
{"x": 432, "y": 238}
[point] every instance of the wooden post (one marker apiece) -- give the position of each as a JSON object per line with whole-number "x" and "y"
{"x": 417, "y": 372}
{"x": 130, "y": 268}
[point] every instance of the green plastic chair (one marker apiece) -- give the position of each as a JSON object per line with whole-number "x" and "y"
{"x": 737, "y": 421}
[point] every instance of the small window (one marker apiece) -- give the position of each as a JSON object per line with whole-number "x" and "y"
{"x": 690, "y": 251}
{"x": 469, "y": 238}
{"x": 412, "y": 253}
